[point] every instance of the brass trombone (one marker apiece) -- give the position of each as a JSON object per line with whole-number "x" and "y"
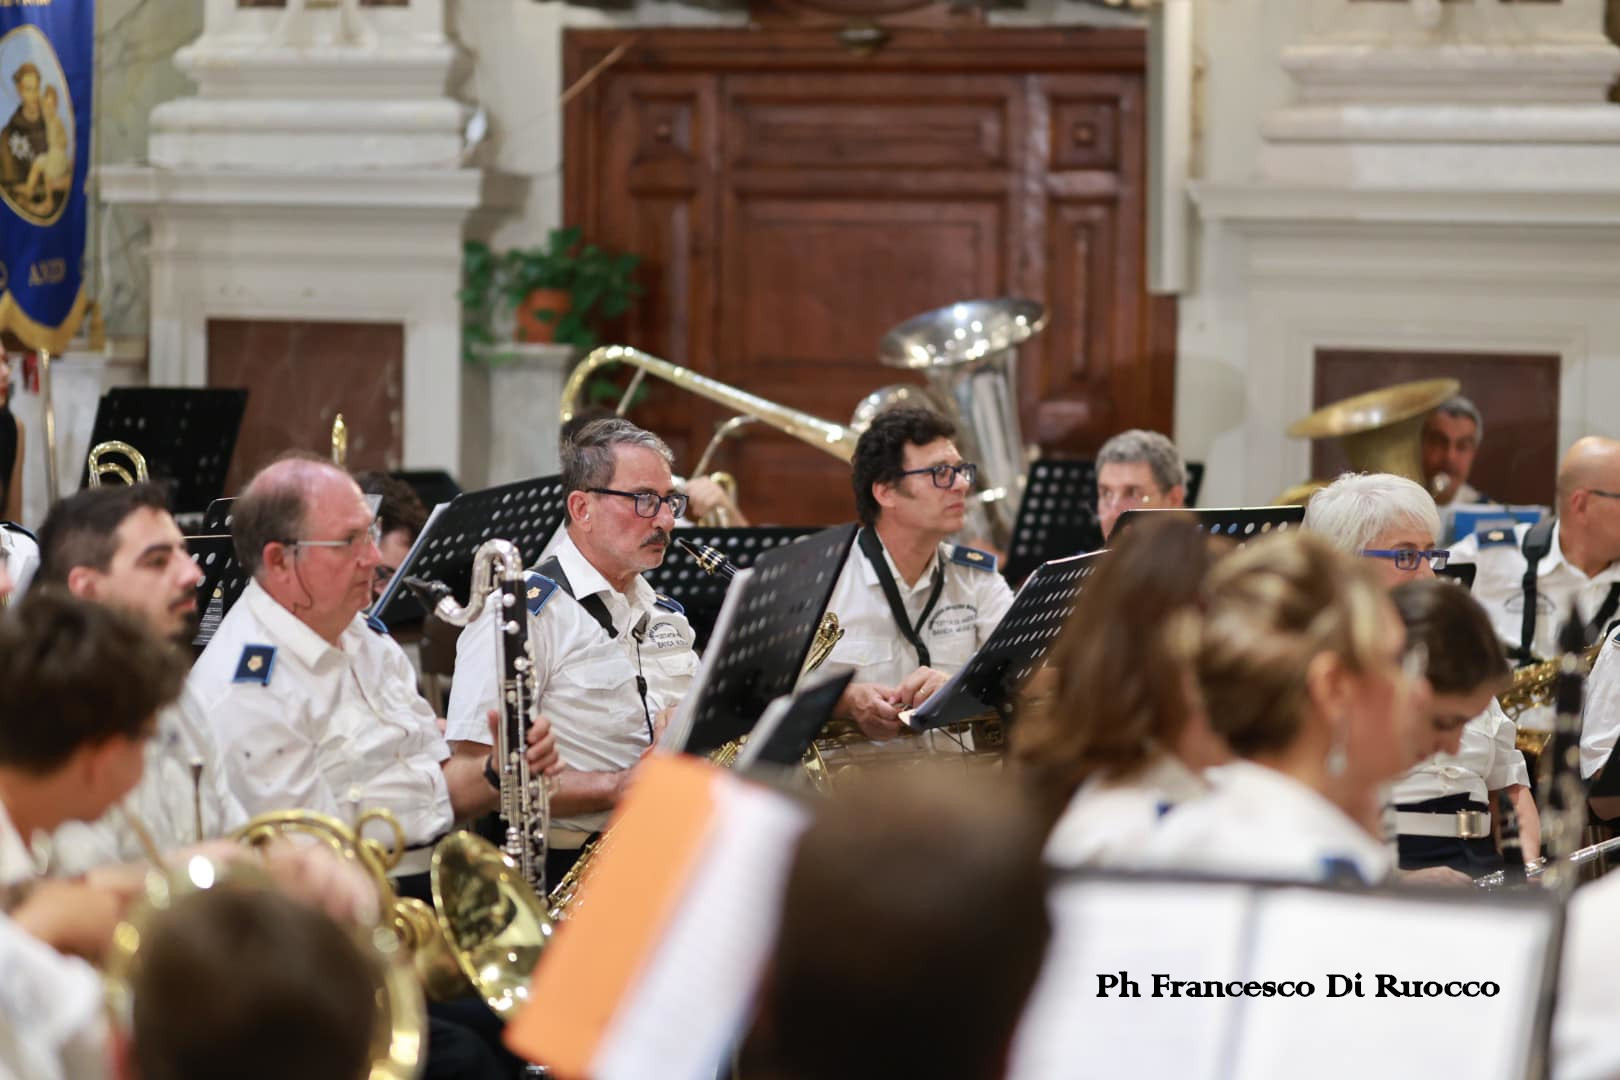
{"x": 100, "y": 469}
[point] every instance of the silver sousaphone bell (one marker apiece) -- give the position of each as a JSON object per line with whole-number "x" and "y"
{"x": 968, "y": 351}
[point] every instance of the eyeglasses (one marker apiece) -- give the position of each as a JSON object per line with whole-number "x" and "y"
{"x": 1410, "y": 558}
{"x": 355, "y": 544}
{"x": 945, "y": 475}
{"x": 1128, "y": 496}
{"x": 647, "y": 502}
{"x": 1605, "y": 494}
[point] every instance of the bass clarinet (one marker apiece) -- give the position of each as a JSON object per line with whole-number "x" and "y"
{"x": 525, "y": 806}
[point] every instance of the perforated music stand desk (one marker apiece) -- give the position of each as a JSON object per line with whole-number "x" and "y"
{"x": 701, "y": 593}
{"x": 1238, "y": 523}
{"x": 186, "y": 434}
{"x": 222, "y": 582}
{"x": 783, "y": 743}
{"x": 1057, "y": 516}
{"x": 1018, "y": 645}
{"x": 526, "y": 513}
{"x": 760, "y": 651}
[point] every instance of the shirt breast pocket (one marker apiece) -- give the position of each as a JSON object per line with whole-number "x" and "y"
{"x": 674, "y": 666}
{"x": 602, "y": 676}
{"x": 862, "y": 652}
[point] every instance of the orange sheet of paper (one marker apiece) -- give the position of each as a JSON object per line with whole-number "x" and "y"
{"x": 588, "y": 970}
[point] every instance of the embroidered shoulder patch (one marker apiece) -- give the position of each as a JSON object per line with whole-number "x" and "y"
{"x": 256, "y": 664}
{"x": 979, "y": 560}
{"x": 537, "y": 589}
{"x": 669, "y": 604}
{"x": 1496, "y": 538}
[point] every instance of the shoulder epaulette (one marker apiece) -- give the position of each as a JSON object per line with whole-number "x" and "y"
{"x": 979, "y": 560}
{"x": 375, "y": 622}
{"x": 1497, "y": 537}
{"x": 537, "y": 589}
{"x": 669, "y": 603}
{"x": 12, "y": 526}
{"x": 256, "y": 664}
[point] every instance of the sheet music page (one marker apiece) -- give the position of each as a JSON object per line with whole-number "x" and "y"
{"x": 1103, "y": 928}
{"x": 1312, "y": 934}
{"x": 700, "y": 983}
{"x": 380, "y": 605}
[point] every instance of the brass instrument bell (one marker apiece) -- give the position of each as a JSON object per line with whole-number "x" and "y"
{"x": 1382, "y": 430}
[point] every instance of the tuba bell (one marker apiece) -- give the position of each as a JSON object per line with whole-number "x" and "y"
{"x": 1381, "y": 431}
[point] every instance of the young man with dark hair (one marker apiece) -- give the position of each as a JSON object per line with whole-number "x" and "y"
{"x": 930, "y": 988}
{"x": 913, "y": 607}
{"x": 119, "y": 547}
{"x": 400, "y": 518}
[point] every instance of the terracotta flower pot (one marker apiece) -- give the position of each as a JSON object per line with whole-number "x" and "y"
{"x": 530, "y": 326}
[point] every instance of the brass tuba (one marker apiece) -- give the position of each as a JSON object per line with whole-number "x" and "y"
{"x": 100, "y": 469}
{"x": 1381, "y": 431}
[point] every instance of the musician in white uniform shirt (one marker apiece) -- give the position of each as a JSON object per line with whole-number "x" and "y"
{"x": 1581, "y": 566}
{"x": 911, "y": 490}
{"x": 1124, "y": 739}
{"x": 119, "y": 546}
{"x": 312, "y": 707}
{"x": 1303, "y": 668}
{"x": 611, "y": 656}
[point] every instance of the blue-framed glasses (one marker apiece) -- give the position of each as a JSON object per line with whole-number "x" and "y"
{"x": 1410, "y": 558}
{"x": 945, "y": 475}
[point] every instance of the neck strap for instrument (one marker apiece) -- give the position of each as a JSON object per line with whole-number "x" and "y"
{"x": 592, "y": 604}
{"x": 872, "y": 548}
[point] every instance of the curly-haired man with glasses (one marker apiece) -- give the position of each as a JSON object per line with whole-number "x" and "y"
{"x": 912, "y": 606}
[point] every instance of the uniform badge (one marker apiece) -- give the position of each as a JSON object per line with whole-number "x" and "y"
{"x": 1495, "y": 538}
{"x": 256, "y": 664}
{"x": 537, "y": 589}
{"x": 668, "y": 604}
{"x": 979, "y": 560}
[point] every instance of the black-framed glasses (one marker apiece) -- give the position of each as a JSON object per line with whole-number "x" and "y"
{"x": 647, "y": 502}
{"x": 945, "y": 475}
{"x": 1410, "y": 558}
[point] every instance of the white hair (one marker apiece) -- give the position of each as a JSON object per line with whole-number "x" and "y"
{"x": 1357, "y": 508}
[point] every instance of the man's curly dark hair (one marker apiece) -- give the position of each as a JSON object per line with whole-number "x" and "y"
{"x": 881, "y": 451}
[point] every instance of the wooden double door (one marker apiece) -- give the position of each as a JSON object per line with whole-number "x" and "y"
{"x": 792, "y": 201}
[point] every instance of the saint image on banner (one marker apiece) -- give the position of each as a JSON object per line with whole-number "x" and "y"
{"x": 37, "y": 142}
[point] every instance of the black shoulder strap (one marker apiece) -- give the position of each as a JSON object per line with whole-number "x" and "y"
{"x": 872, "y": 548}
{"x": 592, "y": 604}
{"x": 1537, "y": 542}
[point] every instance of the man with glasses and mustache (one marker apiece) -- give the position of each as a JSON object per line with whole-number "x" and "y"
{"x": 912, "y": 606}
{"x": 312, "y": 707}
{"x": 611, "y": 656}
{"x": 119, "y": 546}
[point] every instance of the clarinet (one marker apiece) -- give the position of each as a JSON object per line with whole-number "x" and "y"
{"x": 525, "y": 802}
{"x": 1563, "y": 803}
{"x": 711, "y": 561}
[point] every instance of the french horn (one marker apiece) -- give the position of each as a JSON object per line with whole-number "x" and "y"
{"x": 100, "y": 469}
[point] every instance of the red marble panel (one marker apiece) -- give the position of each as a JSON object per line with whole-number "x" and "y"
{"x": 302, "y": 374}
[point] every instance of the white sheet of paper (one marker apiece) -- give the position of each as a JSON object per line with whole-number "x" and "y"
{"x": 700, "y": 984}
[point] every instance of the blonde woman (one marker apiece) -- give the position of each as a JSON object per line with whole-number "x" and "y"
{"x": 1303, "y": 669}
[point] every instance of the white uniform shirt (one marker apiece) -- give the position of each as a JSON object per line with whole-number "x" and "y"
{"x": 1499, "y": 587}
{"x": 1259, "y": 823}
{"x": 1107, "y": 821}
{"x": 585, "y": 685}
{"x": 1488, "y": 760}
{"x": 1584, "y": 1046}
{"x": 303, "y": 724}
{"x": 21, "y": 554}
{"x": 52, "y": 1012}
{"x": 971, "y": 602}
{"x": 166, "y": 802}
{"x": 17, "y": 862}
{"x": 1600, "y": 717}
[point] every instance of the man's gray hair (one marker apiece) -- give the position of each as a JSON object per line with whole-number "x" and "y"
{"x": 588, "y": 458}
{"x": 1459, "y": 406}
{"x": 1357, "y": 508}
{"x": 1158, "y": 453}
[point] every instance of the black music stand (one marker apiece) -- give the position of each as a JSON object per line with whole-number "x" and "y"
{"x": 1057, "y": 516}
{"x": 1018, "y": 645}
{"x": 1239, "y": 523}
{"x": 1459, "y": 573}
{"x": 527, "y": 513}
{"x": 780, "y": 740}
{"x": 186, "y": 434}
{"x": 760, "y": 650}
{"x": 700, "y": 593}
{"x": 1195, "y": 481}
{"x": 222, "y": 582}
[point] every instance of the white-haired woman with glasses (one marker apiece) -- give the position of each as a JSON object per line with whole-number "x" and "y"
{"x": 1383, "y": 517}
{"x": 1303, "y": 668}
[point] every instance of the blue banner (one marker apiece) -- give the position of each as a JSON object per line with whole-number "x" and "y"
{"x": 46, "y": 69}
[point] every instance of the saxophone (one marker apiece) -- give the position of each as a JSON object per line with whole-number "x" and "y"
{"x": 525, "y": 804}
{"x": 1533, "y": 686}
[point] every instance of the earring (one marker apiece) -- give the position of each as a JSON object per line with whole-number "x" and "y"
{"x": 1338, "y": 759}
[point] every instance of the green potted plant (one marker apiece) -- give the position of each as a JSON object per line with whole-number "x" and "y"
{"x": 557, "y": 293}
